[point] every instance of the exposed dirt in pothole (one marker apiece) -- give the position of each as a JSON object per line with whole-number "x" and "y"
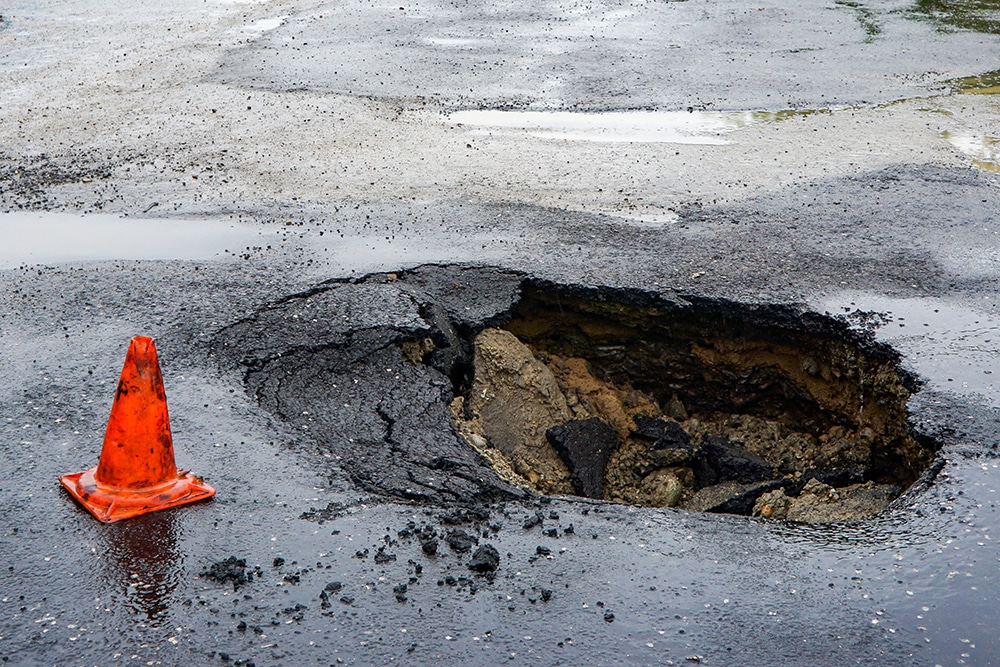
{"x": 622, "y": 395}
{"x": 701, "y": 407}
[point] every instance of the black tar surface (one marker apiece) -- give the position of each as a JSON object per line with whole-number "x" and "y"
{"x": 349, "y": 511}
{"x": 336, "y": 462}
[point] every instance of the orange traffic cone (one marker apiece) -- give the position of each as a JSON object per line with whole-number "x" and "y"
{"x": 136, "y": 473}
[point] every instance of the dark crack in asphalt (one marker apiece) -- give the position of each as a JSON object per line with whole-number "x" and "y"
{"x": 349, "y": 391}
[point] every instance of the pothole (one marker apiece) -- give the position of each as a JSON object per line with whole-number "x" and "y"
{"x": 711, "y": 407}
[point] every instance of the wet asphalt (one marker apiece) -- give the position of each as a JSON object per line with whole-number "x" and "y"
{"x": 334, "y": 459}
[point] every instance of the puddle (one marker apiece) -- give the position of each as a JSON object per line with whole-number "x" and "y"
{"x": 453, "y": 42}
{"x": 48, "y": 238}
{"x": 982, "y": 84}
{"x": 265, "y": 25}
{"x": 712, "y": 407}
{"x": 953, "y": 348}
{"x": 982, "y": 148}
{"x": 367, "y": 254}
{"x": 677, "y": 127}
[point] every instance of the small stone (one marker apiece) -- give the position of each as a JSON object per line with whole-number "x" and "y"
{"x": 729, "y": 497}
{"x": 665, "y": 432}
{"x": 814, "y": 487}
{"x": 820, "y": 502}
{"x": 772, "y": 505}
{"x": 720, "y": 460}
{"x": 516, "y": 398}
{"x": 461, "y": 541}
{"x": 485, "y": 559}
{"x": 429, "y": 546}
{"x": 381, "y": 558}
{"x": 676, "y": 409}
{"x": 661, "y": 488}
{"x": 585, "y": 445}
{"x": 231, "y": 570}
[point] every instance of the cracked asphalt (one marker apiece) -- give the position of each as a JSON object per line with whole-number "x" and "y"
{"x": 362, "y": 210}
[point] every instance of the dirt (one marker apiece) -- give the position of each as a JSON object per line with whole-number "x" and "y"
{"x": 694, "y": 395}
{"x": 701, "y": 420}
{"x": 819, "y": 502}
{"x": 515, "y": 399}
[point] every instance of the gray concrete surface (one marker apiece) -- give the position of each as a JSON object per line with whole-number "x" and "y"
{"x": 271, "y": 117}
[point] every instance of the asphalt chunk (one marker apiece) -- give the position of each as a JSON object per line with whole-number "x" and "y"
{"x": 485, "y": 559}
{"x": 461, "y": 541}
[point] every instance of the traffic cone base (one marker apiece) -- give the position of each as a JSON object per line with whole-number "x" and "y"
{"x": 110, "y": 504}
{"x": 136, "y": 473}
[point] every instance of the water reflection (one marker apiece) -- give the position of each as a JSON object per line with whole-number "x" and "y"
{"x": 983, "y": 149}
{"x": 142, "y": 563}
{"x": 677, "y": 127}
{"x": 38, "y": 237}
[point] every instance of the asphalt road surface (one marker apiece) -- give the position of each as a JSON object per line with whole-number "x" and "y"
{"x": 281, "y": 192}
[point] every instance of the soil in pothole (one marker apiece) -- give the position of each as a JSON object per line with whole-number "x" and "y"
{"x": 716, "y": 408}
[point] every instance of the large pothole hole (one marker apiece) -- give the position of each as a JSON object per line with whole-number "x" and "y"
{"x": 709, "y": 406}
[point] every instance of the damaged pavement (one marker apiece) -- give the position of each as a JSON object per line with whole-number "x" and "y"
{"x": 322, "y": 371}
{"x": 378, "y": 395}
{"x": 334, "y": 434}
